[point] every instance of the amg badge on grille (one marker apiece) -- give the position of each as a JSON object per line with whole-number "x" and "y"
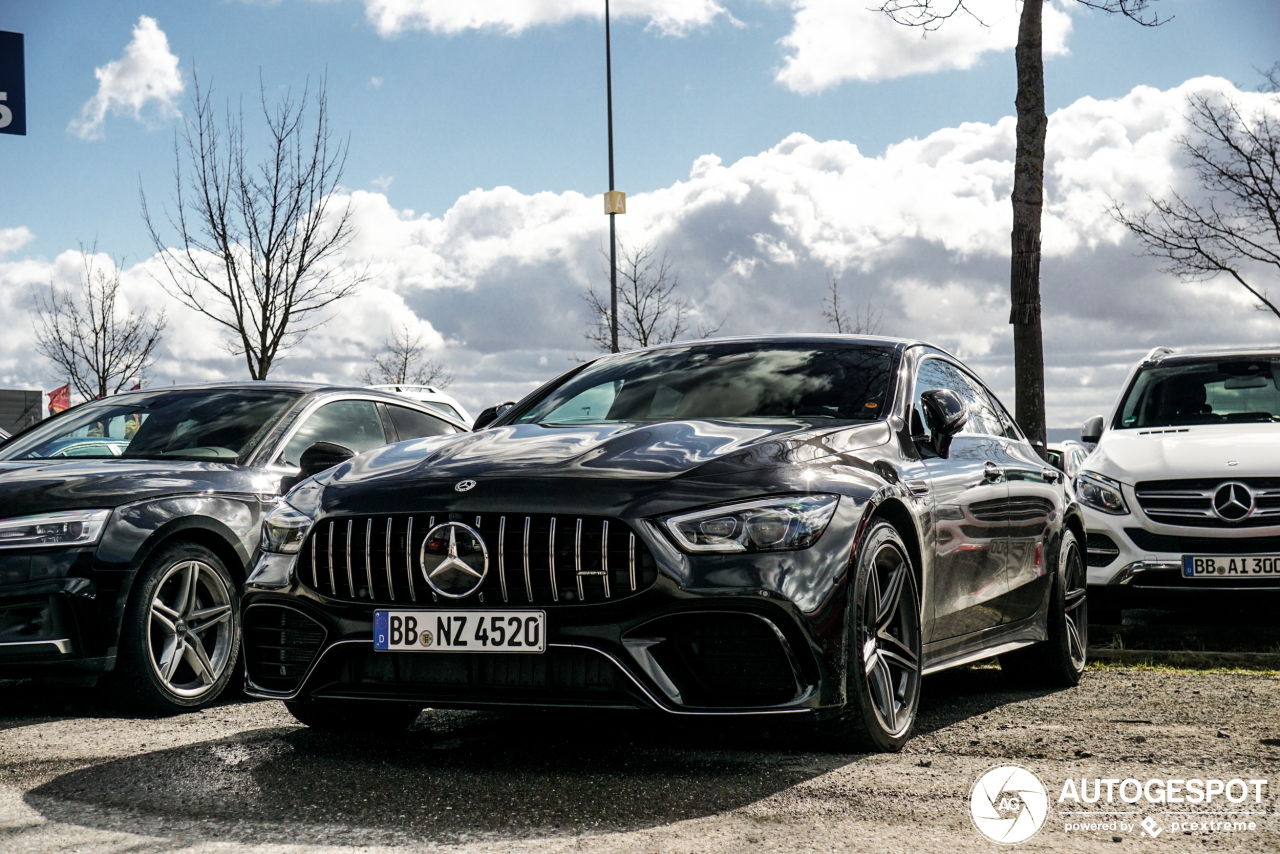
{"x": 454, "y": 560}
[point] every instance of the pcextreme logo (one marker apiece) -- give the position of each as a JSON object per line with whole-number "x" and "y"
{"x": 1008, "y": 804}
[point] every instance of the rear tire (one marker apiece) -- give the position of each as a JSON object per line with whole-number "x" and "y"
{"x": 883, "y": 650}
{"x": 368, "y": 717}
{"x": 1060, "y": 660}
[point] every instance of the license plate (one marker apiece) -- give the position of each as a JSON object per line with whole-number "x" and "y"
{"x": 1228, "y": 566}
{"x": 460, "y": 631}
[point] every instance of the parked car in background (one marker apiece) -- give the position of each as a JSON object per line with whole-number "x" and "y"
{"x": 1067, "y": 457}
{"x": 795, "y": 526}
{"x": 4, "y": 435}
{"x": 1182, "y": 495}
{"x": 127, "y": 523}
{"x": 432, "y": 397}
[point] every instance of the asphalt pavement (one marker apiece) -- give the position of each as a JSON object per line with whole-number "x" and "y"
{"x": 76, "y": 775}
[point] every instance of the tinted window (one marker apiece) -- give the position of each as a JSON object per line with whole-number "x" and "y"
{"x": 935, "y": 373}
{"x": 1202, "y": 393}
{"x": 445, "y": 408}
{"x": 412, "y": 424}
{"x": 724, "y": 381}
{"x": 222, "y": 424}
{"x": 352, "y": 424}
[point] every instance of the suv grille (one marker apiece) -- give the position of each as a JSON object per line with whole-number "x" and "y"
{"x": 1190, "y": 502}
{"x": 279, "y": 646}
{"x": 533, "y": 559}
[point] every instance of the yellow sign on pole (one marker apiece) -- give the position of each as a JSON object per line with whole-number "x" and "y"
{"x": 615, "y": 202}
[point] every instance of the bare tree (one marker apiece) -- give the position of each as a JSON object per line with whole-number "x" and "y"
{"x": 98, "y": 345}
{"x": 403, "y": 361}
{"x": 649, "y": 309}
{"x": 1028, "y": 179}
{"x": 865, "y": 321}
{"x": 259, "y": 246}
{"x": 1236, "y": 162}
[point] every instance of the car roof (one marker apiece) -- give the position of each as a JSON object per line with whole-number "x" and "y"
{"x": 883, "y": 341}
{"x": 1223, "y": 353}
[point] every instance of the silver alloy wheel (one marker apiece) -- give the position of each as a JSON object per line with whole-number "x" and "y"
{"x": 890, "y": 632}
{"x": 1076, "y": 608}
{"x": 189, "y": 628}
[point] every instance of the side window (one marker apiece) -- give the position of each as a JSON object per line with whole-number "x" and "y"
{"x": 412, "y": 424}
{"x": 935, "y": 373}
{"x": 1008, "y": 427}
{"x": 353, "y": 424}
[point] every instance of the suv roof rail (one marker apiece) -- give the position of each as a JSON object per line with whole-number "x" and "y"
{"x": 1157, "y": 353}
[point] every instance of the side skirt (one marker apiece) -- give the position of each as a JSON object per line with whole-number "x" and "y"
{"x": 976, "y": 646}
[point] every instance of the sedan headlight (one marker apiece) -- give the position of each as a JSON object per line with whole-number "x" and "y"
{"x": 65, "y": 528}
{"x": 767, "y": 525}
{"x": 284, "y": 530}
{"x": 1100, "y": 493}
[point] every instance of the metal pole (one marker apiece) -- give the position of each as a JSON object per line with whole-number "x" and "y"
{"x": 613, "y": 234}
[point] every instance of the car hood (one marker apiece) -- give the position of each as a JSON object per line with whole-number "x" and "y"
{"x": 1169, "y": 453}
{"x": 607, "y": 456}
{"x": 42, "y": 486}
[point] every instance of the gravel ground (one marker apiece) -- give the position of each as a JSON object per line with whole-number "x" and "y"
{"x": 76, "y": 776}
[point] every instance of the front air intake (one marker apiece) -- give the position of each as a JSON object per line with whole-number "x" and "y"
{"x": 280, "y": 644}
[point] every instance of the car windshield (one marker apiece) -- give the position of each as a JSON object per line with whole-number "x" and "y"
{"x": 205, "y": 424}
{"x": 1208, "y": 392}
{"x": 724, "y": 381}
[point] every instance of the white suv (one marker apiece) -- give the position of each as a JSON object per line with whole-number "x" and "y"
{"x": 432, "y": 397}
{"x": 1182, "y": 495}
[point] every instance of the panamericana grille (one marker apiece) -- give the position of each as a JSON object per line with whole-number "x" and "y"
{"x": 1189, "y": 502}
{"x": 533, "y": 559}
{"x": 279, "y": 646}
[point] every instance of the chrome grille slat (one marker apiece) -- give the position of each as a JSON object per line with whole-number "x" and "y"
{"x": 604, "y": 558}
{"x": 577, "y": 561}
{"x": 368, "y": 563}
{"x": 631, "y": 552}
{"x": 351, "y": 582}
{"x": 391, "y": 585}
{"x": 333, "y": 584}
{"x": 551, "y": 560}
{"x": 408, "y": 560}
{"x": 315, "y": 564}
{"x": 528, "y": 581}
{"x": 502, "y": 569}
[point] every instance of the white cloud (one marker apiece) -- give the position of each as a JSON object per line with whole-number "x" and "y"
{"x": 834, "y": 41}
{"x": 147, "y": 74}
{"x": 921, "y": 230}
{"x": 375, "y": 82}
{"x": 670, "y": 17}
{"x": 13, "y": 239}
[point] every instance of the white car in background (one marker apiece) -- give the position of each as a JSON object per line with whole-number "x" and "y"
{"x": 431, "y": 397}
{"x": 1182, "y": 495}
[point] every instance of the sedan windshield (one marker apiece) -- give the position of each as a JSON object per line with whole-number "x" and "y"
{"x": 204, "y": 424}
{"x": 724, "y": 381}
{"x": 1208, "y": 392}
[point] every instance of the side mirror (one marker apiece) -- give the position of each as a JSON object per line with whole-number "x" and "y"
{"x": 490, "y": 415}
{"x": 945, "y": 414}
{"x": 1091, "y": 432}
{"x": 321, "y": 456}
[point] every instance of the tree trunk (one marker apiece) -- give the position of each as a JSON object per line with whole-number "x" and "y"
{"x": 1028, "y": 202}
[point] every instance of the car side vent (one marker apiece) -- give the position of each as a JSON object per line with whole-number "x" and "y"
{"x": 1100, "y": 550}
{"x": 280, "y": 645}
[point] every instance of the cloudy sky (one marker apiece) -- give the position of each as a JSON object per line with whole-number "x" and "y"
{"x": 764, "y": 144}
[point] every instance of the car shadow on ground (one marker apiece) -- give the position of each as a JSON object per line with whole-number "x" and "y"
{"x": 469, "y": 775}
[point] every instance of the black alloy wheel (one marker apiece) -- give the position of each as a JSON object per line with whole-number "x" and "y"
{"x": 181, "y": 635}
{"x": 883, "y": 679}
{"x": 1060, "y": 660}
{"x": 368, "y": 717}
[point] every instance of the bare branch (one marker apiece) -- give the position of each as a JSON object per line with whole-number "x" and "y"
{"x": 403, "y": 362}
{"x": 259, "y": 246}
{"x": 865, "y": 321}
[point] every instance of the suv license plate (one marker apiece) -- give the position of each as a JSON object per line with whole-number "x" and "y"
{"x": 1228, "y": 566}
{"x": 460, "y": 631}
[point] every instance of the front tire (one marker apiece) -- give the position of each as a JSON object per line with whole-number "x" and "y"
{"x": 1060, "y": 660}
{"x": 883, "y": 678}
{"x": 181, "y": 635}
{"x": 369, "y": 717}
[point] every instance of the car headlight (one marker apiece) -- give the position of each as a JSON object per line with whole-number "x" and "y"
{"x": 1100, "y": 493}
{"x": 767, "y": 525}
{"x": 65, "y": 528}
{"x": 284, "y": 530}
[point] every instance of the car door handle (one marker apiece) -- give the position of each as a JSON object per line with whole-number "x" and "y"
{"x": 1051, "y": 475}
{"x": 992, "y": 472}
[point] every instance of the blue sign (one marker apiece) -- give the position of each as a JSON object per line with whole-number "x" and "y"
{"x": 13, "y": 85}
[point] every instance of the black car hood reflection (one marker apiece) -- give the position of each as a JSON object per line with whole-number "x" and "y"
{"x": 643, "y": 450}
{"x": 42, "y": 486}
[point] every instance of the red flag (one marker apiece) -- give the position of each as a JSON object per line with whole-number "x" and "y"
{"x": 60, "y": 399}
{"x": 135, "y": 388}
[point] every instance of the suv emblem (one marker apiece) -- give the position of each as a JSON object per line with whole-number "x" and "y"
{"x": 454, "y": 560}
{"x": 1232, "y": 501}
{"x": 464, "y": 485}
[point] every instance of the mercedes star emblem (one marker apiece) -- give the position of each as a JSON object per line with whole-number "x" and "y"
{"x": 464, "y": 485}
{"x": 454, "y": 560}
{"x": 1232, "y": 501}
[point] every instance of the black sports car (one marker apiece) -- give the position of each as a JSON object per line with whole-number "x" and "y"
{"x": 783, "y": 526}
{"x": 127, "y": 523}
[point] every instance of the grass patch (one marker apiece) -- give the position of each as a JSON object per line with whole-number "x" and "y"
{"x": 1149, "y": 667}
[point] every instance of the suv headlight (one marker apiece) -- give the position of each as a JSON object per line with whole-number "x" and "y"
{"x": 767, "y": 525}
{"x": 284, "y": 530}
{"x": 65, "y": 528}
{"x": 1100, "y": 493}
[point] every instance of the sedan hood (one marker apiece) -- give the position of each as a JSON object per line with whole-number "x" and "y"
{"x": 1216, "y": 450}
{"x": 28, "y": 487}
